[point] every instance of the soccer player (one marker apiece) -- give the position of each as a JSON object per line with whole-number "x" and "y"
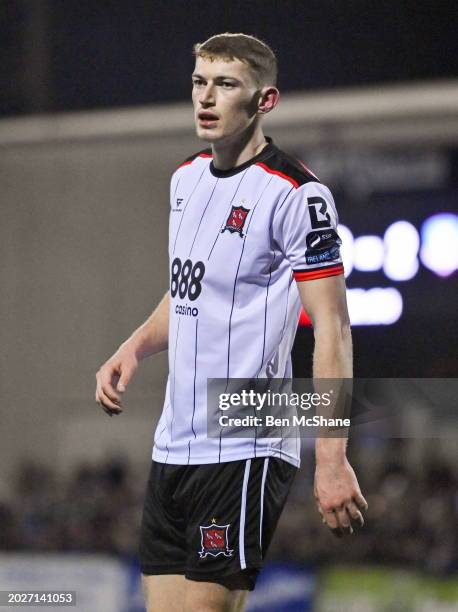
{"x": 252, "y": 236}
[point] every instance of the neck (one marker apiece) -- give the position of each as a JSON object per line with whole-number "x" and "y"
{"x": 237, "y": 151}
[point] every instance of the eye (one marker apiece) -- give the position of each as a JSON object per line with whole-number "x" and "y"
{"x": 228, "y": 85}
{"x": 197, "y": 82}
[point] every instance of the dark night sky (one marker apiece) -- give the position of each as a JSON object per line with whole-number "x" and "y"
{"x": 80, "y": 54}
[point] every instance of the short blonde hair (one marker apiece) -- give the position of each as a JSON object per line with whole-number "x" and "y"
{"x": 248, "y": 49}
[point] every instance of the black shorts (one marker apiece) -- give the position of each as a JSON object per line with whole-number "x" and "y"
{"x": 213, "y": 522}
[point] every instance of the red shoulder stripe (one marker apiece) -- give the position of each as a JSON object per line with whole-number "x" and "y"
{"x": 294, "y": 183}
{"x": 186, "y": 163}
{"x": 305, "y": 275}
{"x": 307, "y": 169}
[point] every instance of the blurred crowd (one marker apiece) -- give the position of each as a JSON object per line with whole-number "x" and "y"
{"x": 412, "y": 517}
{"x": 97, "y": 508}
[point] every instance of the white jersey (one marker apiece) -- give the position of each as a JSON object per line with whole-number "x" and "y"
{"x": 238, "y": 242}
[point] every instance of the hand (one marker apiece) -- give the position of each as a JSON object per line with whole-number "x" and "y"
{"x": 112, "y": 379}
{"x": 338, "y": 497}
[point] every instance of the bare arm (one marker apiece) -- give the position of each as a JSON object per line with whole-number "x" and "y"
{"x": 114, "y": 375}
{"x": 337, "y": 491}
{"x": 153, "y": 335}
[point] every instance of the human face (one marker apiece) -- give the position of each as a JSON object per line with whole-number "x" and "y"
{"x": 225, "y": 98}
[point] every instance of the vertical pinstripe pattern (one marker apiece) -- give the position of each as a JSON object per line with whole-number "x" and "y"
{"x": 227, "y": 212}
{"x": 233, "y": 298}
{"x": 291, "y": 280}
{"x": 263, "y": 486}
{"x": 284, "y": 200}
{"x": 157, "y": 436}
{"x": 265, "y": 317}
{"x": 247, "y": 279}
{"x": 173, "y": 388}
{"x": 237, "y": 273}
{"x": 194, "y": 394}
{"x": 175, "y": 190}
{"x": 246, "y": 477}
{"x": 202, "y": 216}
{"x": 286, "y": 307}
{"x": 186, "y": 205}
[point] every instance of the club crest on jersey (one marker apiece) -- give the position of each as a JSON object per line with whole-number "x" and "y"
{"x": 214, "y": 540}
{"x": 236, "y": 220}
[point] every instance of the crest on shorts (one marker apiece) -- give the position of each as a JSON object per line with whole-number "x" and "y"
{"x": 236, "y": 220}
{"x": 214, "y": 540}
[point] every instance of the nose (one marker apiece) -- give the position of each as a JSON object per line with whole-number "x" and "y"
{"x": 206, "y": 96}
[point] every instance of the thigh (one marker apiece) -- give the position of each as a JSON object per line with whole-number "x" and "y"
{"x": 211, "y": 597}
{"x": 164, "y": 593}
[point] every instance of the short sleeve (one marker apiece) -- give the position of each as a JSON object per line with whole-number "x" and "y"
{"x": 174, "y": 179}
{"x": 305, "y": 229}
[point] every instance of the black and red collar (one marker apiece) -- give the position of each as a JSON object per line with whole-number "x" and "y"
{"x": 267, "y": 152}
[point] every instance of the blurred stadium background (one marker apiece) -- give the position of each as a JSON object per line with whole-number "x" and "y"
{"x": 94, "y": 118}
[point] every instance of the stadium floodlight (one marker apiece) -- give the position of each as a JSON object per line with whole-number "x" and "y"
{"x": 368, "y": 253}
{"x": 376, "y": 306}
{"x": 439, "y": 249}
{"x": 402, "y": 242}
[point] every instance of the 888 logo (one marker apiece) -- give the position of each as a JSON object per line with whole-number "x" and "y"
{"x": 186, "y": 279}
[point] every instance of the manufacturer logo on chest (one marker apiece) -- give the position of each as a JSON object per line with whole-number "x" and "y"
{"x": 178, "y": 207}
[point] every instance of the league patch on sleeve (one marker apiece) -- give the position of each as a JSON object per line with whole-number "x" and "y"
{"x": 323, "y": 255}
{"x": 322, "y": 239}
{"x": 322, "y": 246}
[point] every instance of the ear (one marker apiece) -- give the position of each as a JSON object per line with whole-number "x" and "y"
{"x": 268, "y": 99}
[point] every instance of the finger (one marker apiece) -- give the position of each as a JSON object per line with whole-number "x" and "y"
{"x": 105, "y": 381}
{"x": 105, "y": 400}
{"x": 320, "y": 512}
{"x": 331, "y": 521}
{"x": 113, "y": 399}
{"x": 110, "y": 392}
{"x": 343, "y": 520}
{"x": 355, "y": 515}
{"x": 360, "y": 501}
{"x": 104, "y": 408}
{"x": 107, "y": 410}
{"x": 105, "y": 386}
{"x": 124, "y": 379}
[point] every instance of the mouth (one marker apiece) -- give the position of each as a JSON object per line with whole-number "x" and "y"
{"x": 207, "y": 118}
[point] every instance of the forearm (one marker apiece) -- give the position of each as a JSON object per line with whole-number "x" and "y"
{"x": 333, "y": 353}
{"x": 333, "y": 358}
{"x": 153, "y": 335}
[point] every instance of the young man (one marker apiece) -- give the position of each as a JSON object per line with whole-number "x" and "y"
{"x": 252, "y": 236}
